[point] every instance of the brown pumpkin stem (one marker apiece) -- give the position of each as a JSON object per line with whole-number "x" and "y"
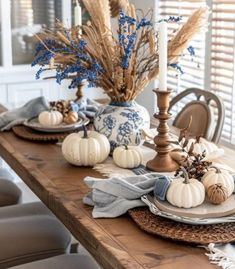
{"x": 85, "y": 135}
{"x": 185, "y": 173}
{"x": 217, "y": 170}
{"x": 126, "y": 147}
{"x": 198, "y": 138}
{"x": 218, "y": 186}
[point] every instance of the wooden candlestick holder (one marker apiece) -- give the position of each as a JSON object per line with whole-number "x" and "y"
{"x": 162, "y": 161}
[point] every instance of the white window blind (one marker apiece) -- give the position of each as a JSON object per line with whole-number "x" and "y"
{"x": 193, "y": 67}
{"x": 213, "y": 66}
{"x": 0, "y": 39}
{"x": 222, "y": 61}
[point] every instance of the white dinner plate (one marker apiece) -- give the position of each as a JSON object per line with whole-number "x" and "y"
{"x": 149, "y": 201}
{"x": 63, "y": 127}
{"x": 204, "y": 211}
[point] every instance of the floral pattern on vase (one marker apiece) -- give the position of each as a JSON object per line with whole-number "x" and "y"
{"x": 122, "y": 123}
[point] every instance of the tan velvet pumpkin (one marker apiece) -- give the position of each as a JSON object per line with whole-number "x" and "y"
{"x": 217, "y": 194}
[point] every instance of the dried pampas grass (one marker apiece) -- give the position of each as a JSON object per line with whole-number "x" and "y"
{"x": 196, "y": 23}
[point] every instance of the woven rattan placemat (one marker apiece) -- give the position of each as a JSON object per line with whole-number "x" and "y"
{"x": 30, "y": 134}
{"x": 198, "y": 234}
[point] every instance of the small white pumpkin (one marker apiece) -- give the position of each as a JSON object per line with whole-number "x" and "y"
{"x": 50, "y": 118}
{"x": 202, "y": 145}
{"x": 185, "y": 192}
{"x": 215, "y": 176}
{"x": 85, "y": 148}
{"x": 127, "y": 156}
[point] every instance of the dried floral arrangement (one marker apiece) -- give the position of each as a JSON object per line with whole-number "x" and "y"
{"x": 122, "y": 66}
{"x": 194, "y": 163}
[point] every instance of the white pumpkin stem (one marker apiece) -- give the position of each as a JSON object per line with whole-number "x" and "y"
{"x": 217, "y": 170}
{"x": 85, "y": 135}
{"x": 185, "y": 173}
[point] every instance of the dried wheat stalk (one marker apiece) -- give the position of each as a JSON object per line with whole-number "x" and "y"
{"x": 117, "y": 5}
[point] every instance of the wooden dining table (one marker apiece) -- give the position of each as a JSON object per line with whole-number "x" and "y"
{"x": 114, "y": 243}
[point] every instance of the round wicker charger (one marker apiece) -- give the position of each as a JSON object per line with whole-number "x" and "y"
{"x": 198, "y": 234}
{"x": 30, "y": 134}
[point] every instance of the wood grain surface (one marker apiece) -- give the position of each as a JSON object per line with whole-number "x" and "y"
{"x": 115, "y": 243}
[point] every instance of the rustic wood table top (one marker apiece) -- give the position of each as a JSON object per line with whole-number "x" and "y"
{"x": 115, "y": 243}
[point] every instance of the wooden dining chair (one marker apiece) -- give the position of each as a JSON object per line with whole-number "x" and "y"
{"x": 205, "y": 122}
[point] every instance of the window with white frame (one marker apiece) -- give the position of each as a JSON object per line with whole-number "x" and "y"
{"x": 0, "y": 39}
{"x": 27, "y": 18}
{"x": 213, "y": 65}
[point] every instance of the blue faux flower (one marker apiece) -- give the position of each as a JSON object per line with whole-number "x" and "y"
{"x": 143, "y": 23}
{"x": 127, "y": 39}
{"x": 177, "y": 67}
{"x": 85, "y": 67}
{"x": 191, "y": 50}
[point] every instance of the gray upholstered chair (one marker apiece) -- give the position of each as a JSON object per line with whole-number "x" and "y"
{"x": 202, "y": 110}
{"x": 73, "y": 261}
{"x": 10, "y": 194}
{"x": 28, "y": 232}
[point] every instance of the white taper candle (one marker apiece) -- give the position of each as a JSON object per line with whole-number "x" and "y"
{"x": 77, "y": 14}
{"x": 163, "y": 56}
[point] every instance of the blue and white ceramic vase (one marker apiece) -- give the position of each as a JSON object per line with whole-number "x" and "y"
{"x": 121, "y": 122}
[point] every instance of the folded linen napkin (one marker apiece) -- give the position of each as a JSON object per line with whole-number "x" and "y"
{"x": 112, "y": 197}
{"x": 17, "y": 116}
{"x": 86, "y": 108}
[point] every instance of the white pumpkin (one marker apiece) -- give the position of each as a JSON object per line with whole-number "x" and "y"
{"x": 127, "y": 156}
{"x": 202, "y": 145}
{"x": 185, "y": 192}
{"x": 215, "y": 176}
{"x": 85, "y": 148}
{"x": 50, "y": 118}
